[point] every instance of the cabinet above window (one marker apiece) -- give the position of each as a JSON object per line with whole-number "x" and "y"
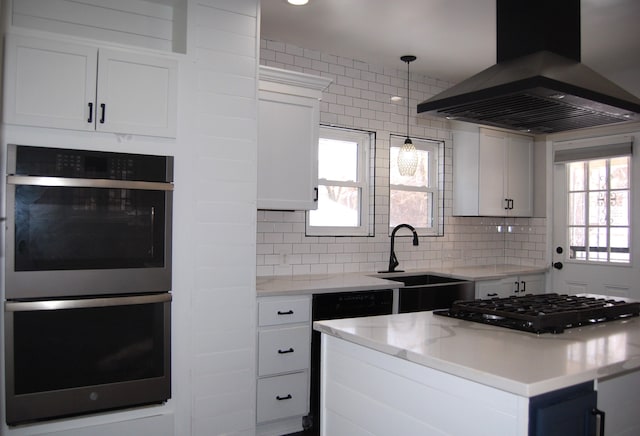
{"x": 63, "y": 85}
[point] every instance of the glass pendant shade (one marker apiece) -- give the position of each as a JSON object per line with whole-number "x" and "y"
{"x": 407, "y": 159}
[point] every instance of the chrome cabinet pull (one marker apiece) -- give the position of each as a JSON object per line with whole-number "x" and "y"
{"x": 287, "y": 397}
{"x": 290, "y": 350}
{"x": 104, "y": 110}
{"x": 90, "y": 119}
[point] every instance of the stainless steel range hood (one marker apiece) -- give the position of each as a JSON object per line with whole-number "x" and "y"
{"x": 538, "y": 84}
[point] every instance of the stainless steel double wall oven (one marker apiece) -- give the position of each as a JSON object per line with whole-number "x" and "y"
{"x": 87, "y": 281}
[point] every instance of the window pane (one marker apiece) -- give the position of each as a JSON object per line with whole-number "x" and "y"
{"x": 619, "y": 201}
{"x": 577, "y": 209}
{"x": 598, "y": 244}
{"x": 420, "y": 178}
{"x": 576, "y": 176}
{"x": 620, "y": 239}
{"x": 410, "y": 207}
{"x": 338, "y": 206}
{"x": 620, "y": 173}
{"x": 597, "y": 208}
{"x": 577, "y": 243}
{"x": 337, "y": 160}
{"x": 598, "y": 174}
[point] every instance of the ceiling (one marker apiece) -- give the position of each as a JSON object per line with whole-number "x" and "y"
{"x": 452, "y": 39}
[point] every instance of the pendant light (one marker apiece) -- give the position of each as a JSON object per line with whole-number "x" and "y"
{"x": 408, "y": 155}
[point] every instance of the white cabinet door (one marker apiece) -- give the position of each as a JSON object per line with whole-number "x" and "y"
{"x": 533, "y": 284}
{"x": 287, "y": 151}
{"x": 500, "y": 288}
{"x": 282, "y": 396}
{"x": 49, "y": 83}
{"x": 288, "y": 129}
{"x": 136, "y": 94}
{"x": 519, "y": 186}
{"x": 492, "y": 174}
{"x": 283, "y": 350}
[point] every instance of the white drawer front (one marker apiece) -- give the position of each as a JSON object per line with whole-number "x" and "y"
{"x": 283, "y": 311}
{"x": 283, "y": 349}
{"x": 283, "y": 396}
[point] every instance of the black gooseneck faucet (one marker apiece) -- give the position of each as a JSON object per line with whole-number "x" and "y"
{"x": 393, "y": 260}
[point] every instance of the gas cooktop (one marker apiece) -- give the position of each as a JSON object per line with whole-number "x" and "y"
{"x": 542, "y": 313}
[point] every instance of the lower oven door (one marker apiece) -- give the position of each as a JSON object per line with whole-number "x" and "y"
{"x": 70, "y": 357}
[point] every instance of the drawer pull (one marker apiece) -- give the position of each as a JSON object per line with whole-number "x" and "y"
{"x": 288, "y": 312}
{"x": 492, "y": 294}
{"x": 290, "y": 350}
{"x": 279, "y": 398}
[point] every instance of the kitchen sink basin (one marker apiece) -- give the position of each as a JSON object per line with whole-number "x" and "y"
{"x": 429, "y": 291}
{"x": 423, "y": 279}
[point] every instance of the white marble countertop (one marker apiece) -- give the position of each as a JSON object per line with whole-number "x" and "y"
{"x": 522, "y": 363}
{"x": 322, "y": 283}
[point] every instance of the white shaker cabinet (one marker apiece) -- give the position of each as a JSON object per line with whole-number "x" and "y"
{"x": 288, "y": 126}
{"x": 284, "y": 356}
{"x": 492, "y": 173}
{"x": 58, "y": 84}
{"x": 511, "y": 286}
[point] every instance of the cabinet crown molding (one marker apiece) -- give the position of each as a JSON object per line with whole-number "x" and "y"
{"x": 272, "y": 75}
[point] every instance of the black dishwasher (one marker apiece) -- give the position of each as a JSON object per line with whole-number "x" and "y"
{"x": 335, "y": 306}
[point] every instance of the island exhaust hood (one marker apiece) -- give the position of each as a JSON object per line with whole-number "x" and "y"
{"x": 538, "y": 84}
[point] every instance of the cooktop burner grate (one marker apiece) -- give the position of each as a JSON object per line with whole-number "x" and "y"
{"x": 542, "y": 313}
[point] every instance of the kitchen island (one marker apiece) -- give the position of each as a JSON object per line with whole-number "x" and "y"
{"x": 419, "y": 374}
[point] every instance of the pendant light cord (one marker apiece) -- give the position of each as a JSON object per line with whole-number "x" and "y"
{"x": 408, "y": 59}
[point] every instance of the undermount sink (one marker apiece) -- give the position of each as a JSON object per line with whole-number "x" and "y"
{"x": 423, "y": 279}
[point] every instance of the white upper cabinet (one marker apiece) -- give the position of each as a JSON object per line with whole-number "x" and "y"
{"x": 63, "y": 85}
{"x": 288, "y": 126}
{"x": 492, "y": 173}
{"x": 136, "y": 94}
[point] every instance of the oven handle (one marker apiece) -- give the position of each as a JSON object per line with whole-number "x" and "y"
{"x": 23, "y": 306}
{"x": 88, "y": 183}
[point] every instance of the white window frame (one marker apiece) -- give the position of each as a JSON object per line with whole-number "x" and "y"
{"x": 434, "y": 148}
{"x": 366, "y": 142}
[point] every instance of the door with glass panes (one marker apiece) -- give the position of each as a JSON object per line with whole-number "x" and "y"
{"x": 592, "y": 217}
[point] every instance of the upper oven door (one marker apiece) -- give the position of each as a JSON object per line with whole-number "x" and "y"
{"x": 84, "y": 236}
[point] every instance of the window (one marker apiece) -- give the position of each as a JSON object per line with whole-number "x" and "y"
{"x": 599, "y": 211}
{"x": 345, "y": 197}
{"x": 416, "y": 200}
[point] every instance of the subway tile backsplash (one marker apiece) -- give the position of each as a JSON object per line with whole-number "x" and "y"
{"x": 359, "y": 97}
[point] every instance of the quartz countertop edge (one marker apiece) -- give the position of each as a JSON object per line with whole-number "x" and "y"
{"x": 362, "y": 281}
{"x": 522, "y": 363}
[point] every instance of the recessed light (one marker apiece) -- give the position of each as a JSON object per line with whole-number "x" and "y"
{"x": 297, "y": 2}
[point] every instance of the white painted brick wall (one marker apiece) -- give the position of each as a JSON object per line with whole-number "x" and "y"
{"x": 359, "y": 97}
